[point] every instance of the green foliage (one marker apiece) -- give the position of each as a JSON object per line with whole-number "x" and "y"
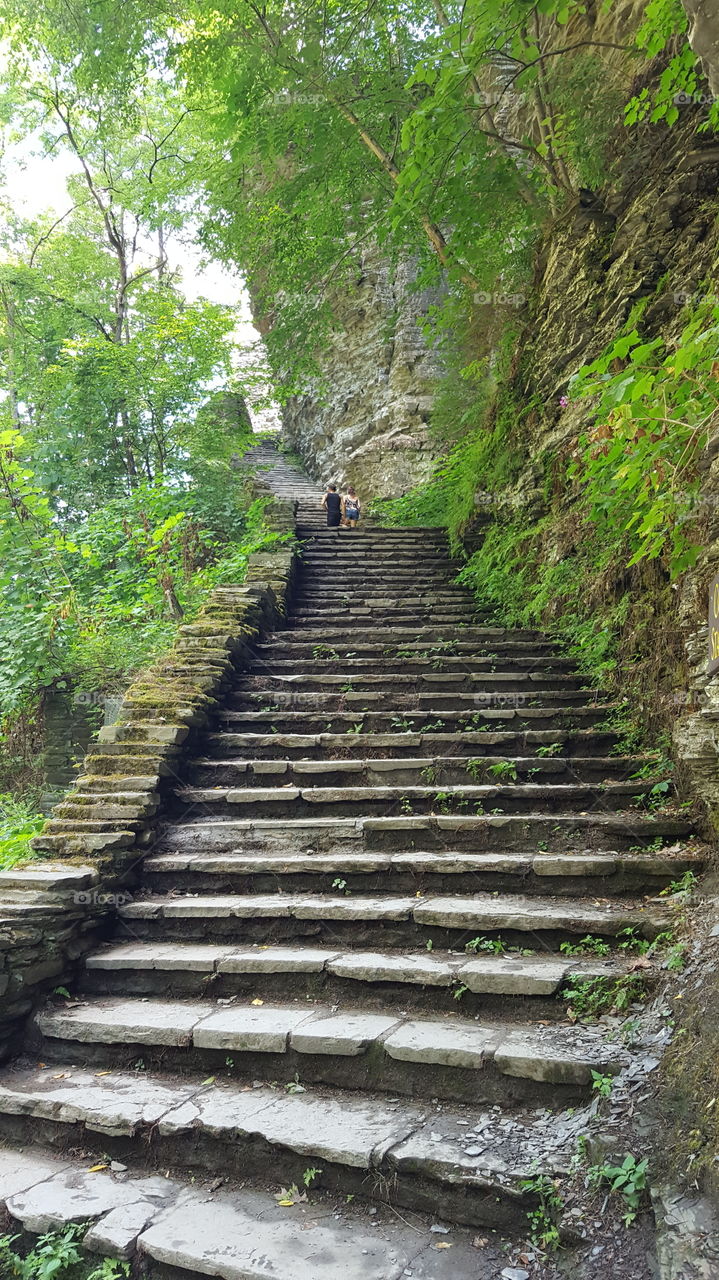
{"x": 95, "y": 599}
{"x": 591, "y": 997}
{"x": 628, "y": 1179}
{"x": 664, "y": 23}
{"x": 543, "y": 1220}
{"x": 18, "y": 824}
{"x": 586, "y": 946}
{"x": 602, "y": 1084}
{"x": 503, "y": 770}
{"x": 682, "y": 888}
{"x": 58, "y": 1256}
{"x": 636, "y": 466}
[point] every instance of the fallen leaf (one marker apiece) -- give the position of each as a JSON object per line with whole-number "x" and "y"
{"x": 443, "y": 1244}
{"x": 103, "y": 1073}
{"x": 209, "y": 1080}
{"x": 257, "y": 1001}
{"x": 98, "y": 1168}
{"x": 480, "y": 1242}
{"x": 640, "y": 962}
{"x": 289, "y": 1196}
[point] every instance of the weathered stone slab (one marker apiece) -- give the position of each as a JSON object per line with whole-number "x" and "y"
{"x": 113, "y": 1104}
{"x": 196, "y": 958}
{"x": 217, "y": 1238}
{"x": 116, "y": 1234}
{"x": 125, "y": 1022}
{"x": 52, "y": 877}
{"x": 374, "y": 966}
{"x": 280, "y": 864}
{"x": 573, "y": 865}
{"x": 20, "y": 1170}
{"x": 348, "y": 1131}
{"x": 249, "y": 1030}
{"x": 510, "y": 976}
{"x": 346, "y": 1034}
{"x": 325, "y": 766}
{"x": 277, "y": 960}
{"x": 224, "y": 1112}
{"x": 482, "y": 911}
{"x": 71, "y": 1196}
{"x": 345, "y": 1131}
{"x": 256, "y": 795}
{"x": 455, "y": 863}
{"x": 430, "y": 1151}
{"x": 443, "y": 1043}
{"x": 317, "y": 908}
{"x": 553, "y": 1057}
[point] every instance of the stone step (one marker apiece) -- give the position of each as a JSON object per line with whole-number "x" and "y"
{"x": 327, "y": 660}
{"x": 263, "y": 677}
{"x": 312, "y": 617}
{"x": 337, "y": 591}
{"x": 340, "y": 576}
{"x": 185, "y": 1224}
{"x": 573, "y": 873}
{"x": 403, "y": 771}
{"x": 416, "y": 720}
{"x": 387, "y": 921}
{"x": 468, "y": 743}
{"x": 533, "y": 981}
{"x": 372, "y": 548}
{"x": 457, "y": 1163}
{"x": 372, "y": 801}
{"x": 320, "y": 536}
{"x": 447, "y": 1057}
{"x": 413, "y": 636}
{"x": 553, "y": 833}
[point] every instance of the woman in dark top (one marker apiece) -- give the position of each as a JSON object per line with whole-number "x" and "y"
{"x": 334, "y": 506}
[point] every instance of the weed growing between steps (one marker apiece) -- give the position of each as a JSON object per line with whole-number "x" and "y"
{"x": 57, "y": 1256}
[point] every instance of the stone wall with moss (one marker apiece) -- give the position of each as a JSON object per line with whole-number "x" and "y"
{"x": 56, "y": 909}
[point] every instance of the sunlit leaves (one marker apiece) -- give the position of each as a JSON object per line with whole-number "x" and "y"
{"x": 636, "y": 467}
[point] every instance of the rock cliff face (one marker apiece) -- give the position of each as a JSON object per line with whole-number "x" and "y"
{"x": 368, "y": 424}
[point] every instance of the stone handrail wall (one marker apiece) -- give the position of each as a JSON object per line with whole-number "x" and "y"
{"x": 55, "y": 910}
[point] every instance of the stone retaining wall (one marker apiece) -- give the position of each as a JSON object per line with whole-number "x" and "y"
{"x": 56, "y": 910}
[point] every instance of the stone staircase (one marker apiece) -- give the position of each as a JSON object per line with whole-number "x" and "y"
{"x": 345, "y": 967}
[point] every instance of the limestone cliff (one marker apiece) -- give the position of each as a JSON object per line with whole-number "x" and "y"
{"x": 367, "y": 424}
